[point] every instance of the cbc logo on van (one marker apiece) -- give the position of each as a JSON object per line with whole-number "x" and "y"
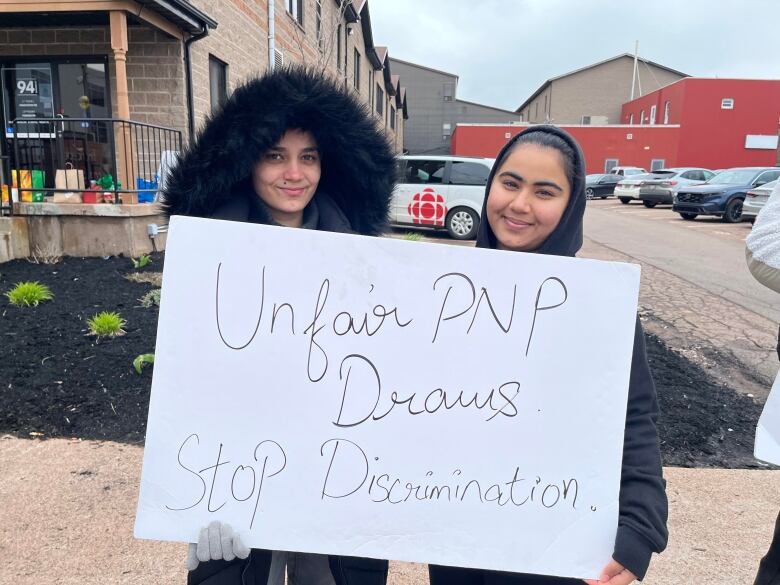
{"x": 427, "y": 208}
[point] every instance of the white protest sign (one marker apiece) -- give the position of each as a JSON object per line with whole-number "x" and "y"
{"x": 382, "y": 398}
{"x": 767, "y": 445}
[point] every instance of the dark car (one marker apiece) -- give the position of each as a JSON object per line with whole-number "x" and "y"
{"x": 602, "y": 185}
{"x": 723, "y": 194}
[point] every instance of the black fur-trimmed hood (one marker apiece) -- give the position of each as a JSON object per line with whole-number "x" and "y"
{"x": 358, "y": 165}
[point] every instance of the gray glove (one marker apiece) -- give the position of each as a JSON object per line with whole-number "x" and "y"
{"x": 216, "y": 541}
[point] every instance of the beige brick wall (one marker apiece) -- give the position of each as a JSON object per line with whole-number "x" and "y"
{"x": 597, "y": 91}
{"x": 155, "y": 68}
{"x": 239, "y": 40}
{"x": 155, "y": 61}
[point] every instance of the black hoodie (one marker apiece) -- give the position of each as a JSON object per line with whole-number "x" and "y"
{"x": 213, "y": 179}
{"x": 643, "y": 504}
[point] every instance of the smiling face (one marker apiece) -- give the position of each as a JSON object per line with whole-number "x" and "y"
{"x": 527, "y": 197}
{"x": 287, "y": 176}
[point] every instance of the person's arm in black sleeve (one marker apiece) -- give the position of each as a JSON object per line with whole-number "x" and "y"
{"x": 643, "y": 504}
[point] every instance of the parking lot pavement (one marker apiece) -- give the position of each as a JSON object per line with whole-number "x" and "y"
{"x": 664, "y": 213}
{"x": 696, "y": 293}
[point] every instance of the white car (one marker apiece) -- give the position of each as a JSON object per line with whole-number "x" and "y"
{"x": 441, "y": 192}
{"x": 628, "y": 188}
{"x": 755, "y": 200}
{"x": 627, "y": 171}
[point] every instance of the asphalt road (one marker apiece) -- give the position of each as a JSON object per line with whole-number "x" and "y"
{"x": 705, "y": 252}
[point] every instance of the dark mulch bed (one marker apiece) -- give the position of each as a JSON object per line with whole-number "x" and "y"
{"x": 55, "y": 381}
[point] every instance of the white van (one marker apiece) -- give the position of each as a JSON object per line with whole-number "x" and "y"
{"x": 441, "y": 192}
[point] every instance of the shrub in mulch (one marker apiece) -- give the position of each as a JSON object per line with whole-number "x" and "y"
{"x": 56, "y": 380}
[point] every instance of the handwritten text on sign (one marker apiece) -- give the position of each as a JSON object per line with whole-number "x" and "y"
{"x": 374, "y": 397}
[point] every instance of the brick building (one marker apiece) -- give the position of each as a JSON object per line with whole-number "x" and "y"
{"x": 723, "y": 122}
{"x": 436, "y": 109}
{"x": 595, "y": 94}
{"x": 166, "y": 64}
{"x": 710, "y": 123}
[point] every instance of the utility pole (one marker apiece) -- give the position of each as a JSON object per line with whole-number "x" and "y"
{"x": 633, "y": 76}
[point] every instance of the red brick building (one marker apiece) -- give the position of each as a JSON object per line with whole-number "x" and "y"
{"x": 711, "y": 123}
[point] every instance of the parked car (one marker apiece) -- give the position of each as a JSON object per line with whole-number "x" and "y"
{"x": 668, "y": 181}
{"x": 755, "y": 200}
{"x": 441, "y": 192}
{"x": 628, "y": 187}
{"x": 601, "y": 185}
{"x": 723, "y": 195}
{"x": 627, "y": 171}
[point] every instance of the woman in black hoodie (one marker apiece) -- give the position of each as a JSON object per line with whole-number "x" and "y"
{"x": 535, "y": 202}
{"x": 289, "y": 148}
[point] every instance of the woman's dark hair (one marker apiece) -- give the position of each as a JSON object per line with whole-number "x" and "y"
{"x": 546, "y": 140}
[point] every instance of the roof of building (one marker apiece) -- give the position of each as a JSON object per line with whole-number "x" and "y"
{"x": 486, "y": 106}
{"x": 182, "y": 13}
{"x": 423, "y": 67}
{"x": 615, "y": 58}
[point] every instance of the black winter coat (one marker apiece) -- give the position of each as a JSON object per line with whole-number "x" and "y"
{"x": 213, "y": 179}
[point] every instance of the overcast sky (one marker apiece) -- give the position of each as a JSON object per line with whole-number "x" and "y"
{"x": 503, "y": 50}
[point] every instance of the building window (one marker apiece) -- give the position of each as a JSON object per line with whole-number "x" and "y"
{"x": 380, "y": 100}
{"x": 610, "y": 163}
{"x": 585, "y": 120}
{"x": 295, "y": 8}
{"x": 392, "y": 118}
{"x": 338, "y": 48}
{"x": 217, "y": 83}
{"x": 727, "y": 104}
{"x": 370, "y": 87}
{"x": 667, "y": 109}
{"x": 318, "y": 13}
{"x": 448, "y": 92}
{"x": 641, "y": 117}
{"x": 657, "y": 163}
{"x": 652, "y": 114}
{"x": 446, "y": 130}
{"x": 631, "y": 119}
{"x": 356, "y": 72}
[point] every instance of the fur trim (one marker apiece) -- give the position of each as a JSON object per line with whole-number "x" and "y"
{"x": 358, "y": 165}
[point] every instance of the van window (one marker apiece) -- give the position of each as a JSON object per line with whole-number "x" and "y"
{"x": 424, "y": 171}
{"x": 468, "y": 173}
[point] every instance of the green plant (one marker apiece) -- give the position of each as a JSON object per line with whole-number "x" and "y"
{"x": 142, "y": 360}
{"x": 412, "y": 236}
{"x": 29, "y": 294}
{"x": 106, "y": 324}
{"x": 141, "y": 261}
{"x": 150, "y": 299}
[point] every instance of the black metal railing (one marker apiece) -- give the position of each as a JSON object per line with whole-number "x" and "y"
{"x": 101, "y": 160}
{"x": 6, "y": 208}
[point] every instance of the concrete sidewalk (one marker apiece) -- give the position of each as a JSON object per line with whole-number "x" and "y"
{"x": 68, "y": 509}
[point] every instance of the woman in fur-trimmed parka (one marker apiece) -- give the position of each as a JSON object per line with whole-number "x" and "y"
{"x": 289, "y": 148}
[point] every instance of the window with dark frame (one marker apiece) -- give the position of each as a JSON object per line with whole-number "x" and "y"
{"x": 338, "y": 48}
{"x": 380, "y": 100}
{"x": 217, "y": 83}
{"x": 392, "y": 118}
{"x": 356, "y": 72}
{"x": 295, "y": 8}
